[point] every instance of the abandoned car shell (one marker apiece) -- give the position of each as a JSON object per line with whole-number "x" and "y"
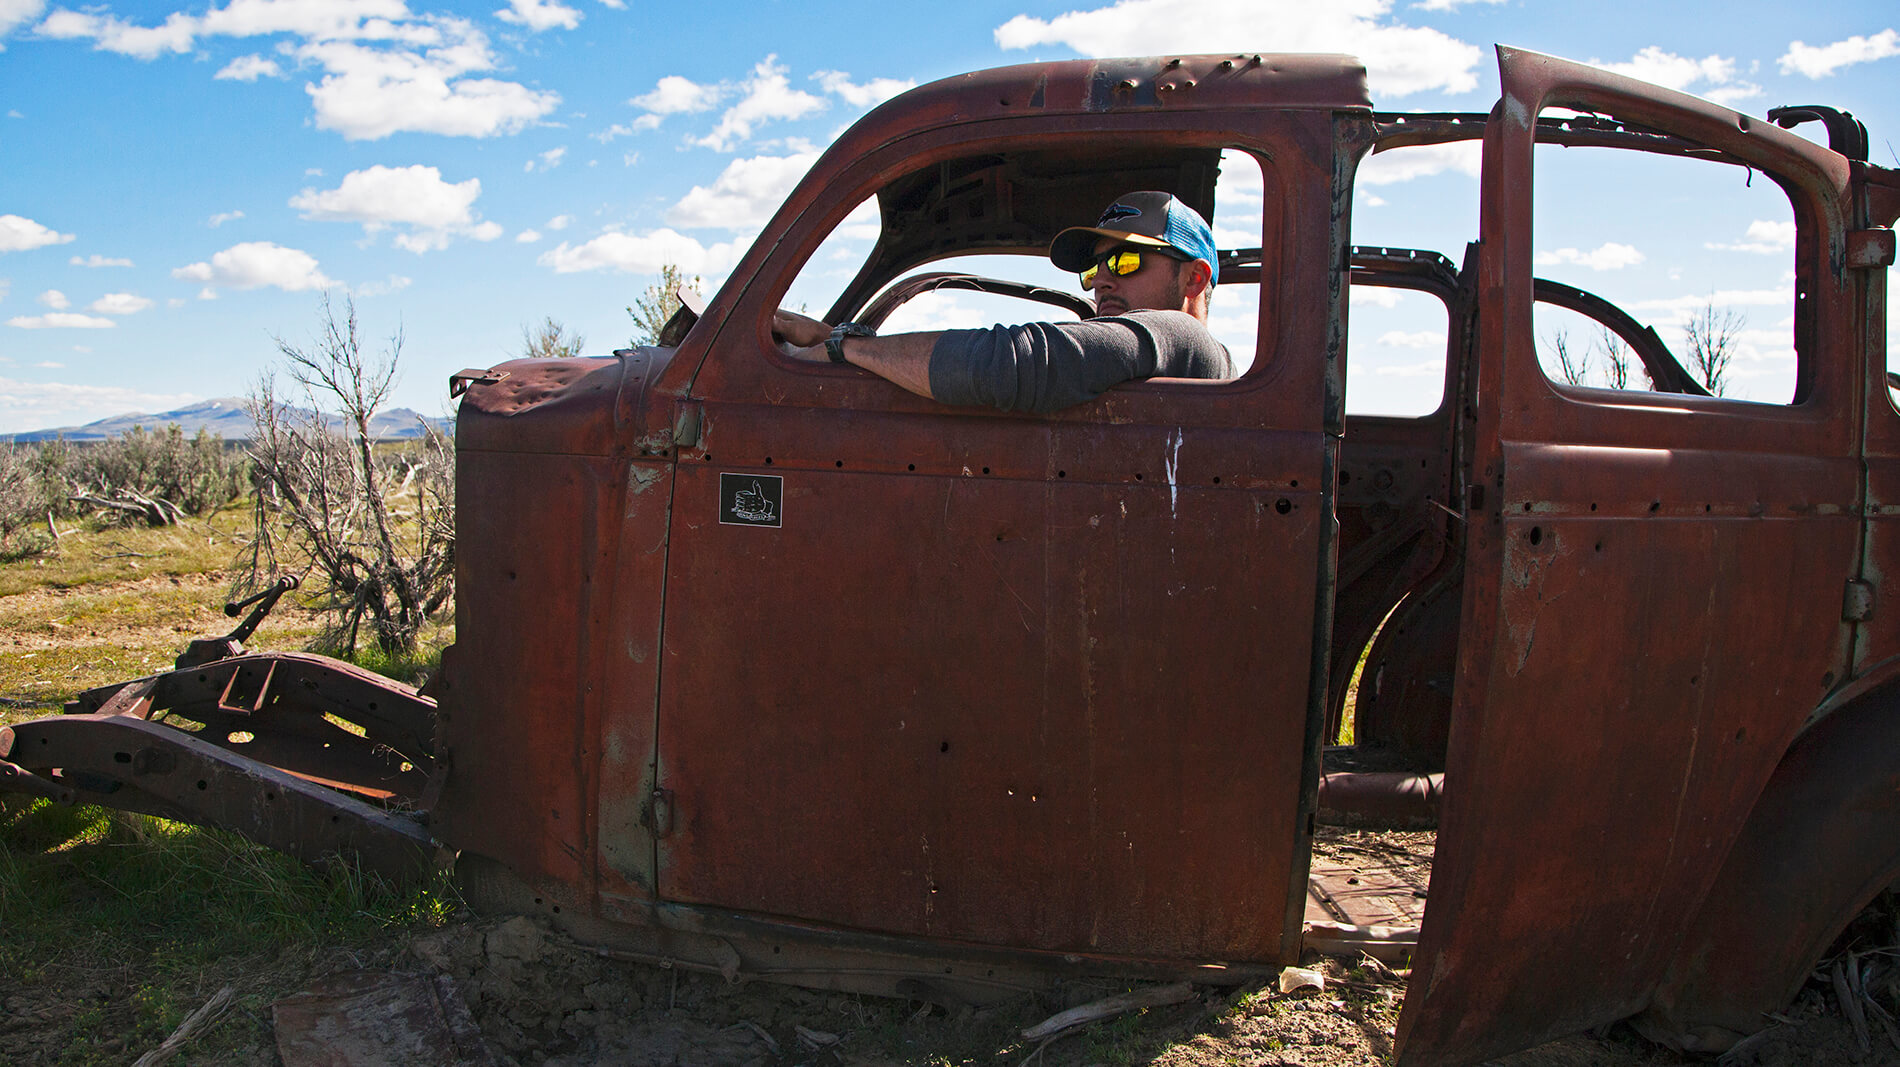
{"x": 772, "y": 669}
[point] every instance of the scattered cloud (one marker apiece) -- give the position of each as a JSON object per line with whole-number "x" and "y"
{"x": 36, "y": 405}
{"x": 1680, "y": 308}
{"x": 223, "y": 217}
{"x": 17, "y": 13}
{"x": 1609, "y": 256}
{"x": 97, "y": 260}
{"x": 370, "y": 93}
{"x": 560, "y": 222}
{"x": 768, "y": 96}
{"x": 54, "y": 299}
{"x": 547, "y": 160}
{"x": 1434, "y": 339}
{"x": 415, "y": 197}
{"x": 744, "y": 195}
{"x": 1399, "y": 59}
{"x": 619, "y": 129}
{"x": 47, "y": 364}
{"x": 871, "y": 93}
{"x": 60, "y": 320}
{"x": 110, "y": 33}
{"x": 19, "y": 234}
{"x": 674, "y": 95}
{"x": 1712, "y": 76}
{"x": 391, "y": 284}
{"x": 255, "y": 265}
{"x": 1451, "y": 5}
{"x": 643, "y": 254}
{"x": 1420, "y": 161}
{"x": 1819, "y": 62}
{"x": 249, "y": 69}
{"x": 120, "y": 304}
{"x": 1764, "y": 236}
{"x": 527, "y": 237}
{"x": 385, "y": 69}
{"x": 539, "y": 15}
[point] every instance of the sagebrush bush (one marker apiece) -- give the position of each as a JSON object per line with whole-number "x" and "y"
{"x": 195, "y": 473}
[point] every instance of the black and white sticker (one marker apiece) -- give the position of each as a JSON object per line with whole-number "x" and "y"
{"x": 751, "y": 499}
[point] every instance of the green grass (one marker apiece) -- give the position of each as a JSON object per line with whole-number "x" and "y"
{"x": 117, "y": 925}
{"x": 156, "y": 915}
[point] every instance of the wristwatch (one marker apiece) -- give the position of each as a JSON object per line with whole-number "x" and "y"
{"x": 834, "y": 345}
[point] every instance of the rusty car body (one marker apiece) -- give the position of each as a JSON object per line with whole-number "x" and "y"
{"x": 957, "y": 703}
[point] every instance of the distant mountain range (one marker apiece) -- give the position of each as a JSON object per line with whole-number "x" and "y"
{"x": 225, "y": 417}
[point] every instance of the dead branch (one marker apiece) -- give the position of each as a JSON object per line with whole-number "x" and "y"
{"x": 1108, "y": 1007}
{"x": 204, "y": 1017}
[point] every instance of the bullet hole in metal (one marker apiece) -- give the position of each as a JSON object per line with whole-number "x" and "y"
{"x": 837, "y": 463}
{"x": 986, "y": 470}
{"x": 203, "y": 785}
{"x": 911, "y": 467}
{"x": 1216, "y": 479}
{"x": 1655, "y": 506}
{"x": 945, "y": 747}
{"x": 1283, "y": 505}
{"x": 1138, "y": 476}
{"x": 122, "y": 757}
{"x": 1537, "y": 535}
{"x": 768, "y": 461}
{"x": 1062, "y": 474}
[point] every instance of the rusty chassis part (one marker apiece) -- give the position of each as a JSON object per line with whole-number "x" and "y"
{"x": 304, "y": 754}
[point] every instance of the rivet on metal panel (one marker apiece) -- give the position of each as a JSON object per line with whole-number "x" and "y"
{"x": 1857, "y": 605}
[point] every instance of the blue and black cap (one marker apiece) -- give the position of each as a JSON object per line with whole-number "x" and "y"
{"x": 1155, "y": 219}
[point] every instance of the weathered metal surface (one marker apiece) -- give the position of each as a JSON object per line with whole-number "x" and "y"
{"x": 126, "y": 762}
{"x": 1659, "y": 549}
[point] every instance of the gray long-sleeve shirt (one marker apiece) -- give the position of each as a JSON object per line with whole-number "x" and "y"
{"x": 1045, "y": 366}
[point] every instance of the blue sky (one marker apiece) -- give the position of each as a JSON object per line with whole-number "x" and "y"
{"x": 179, "y": 183}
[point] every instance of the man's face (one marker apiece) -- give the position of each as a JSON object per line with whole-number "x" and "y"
{"x": 1157, "y": 286}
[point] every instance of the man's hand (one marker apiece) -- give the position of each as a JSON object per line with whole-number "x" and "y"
{"x": 800, "y": 331}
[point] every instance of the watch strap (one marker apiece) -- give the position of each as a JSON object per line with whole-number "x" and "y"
{"x": 834, "y": 345}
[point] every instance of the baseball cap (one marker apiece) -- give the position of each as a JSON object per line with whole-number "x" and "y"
{"x": 1155, "y": 219}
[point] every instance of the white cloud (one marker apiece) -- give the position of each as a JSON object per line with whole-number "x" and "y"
{"x": 97, "y": 260}
{"x": 393, "y": 283}
{"x": 16, "y": 13}
{"x": 54, "y": 299}
{"x": 547, "y": 160}
{"x": 1609, "y": 256}
{"x": 1399, "y": 59}
{"x": 47, "y": 364}
{"x": 1434, "y": 339}
{"x": 368, "y": 93}
{"x": 1826, "y": 59}
{"x": 40, "y": 405}
{"x": 60, "y": 320}
{"x": 674, "y": 95}
{"x": 617, "y": 5}
{"x": 744, "y": 195}
{"x": 249, "y": 69}
{"x": 539, "y": 15}
{"x": 412, "y": 78}
{"x": 768, "y": 96}
{"x": 223, "y": 217}
{"x": 1764, "y": 237}
{"x": 560, "y": 222}
{"x": 873, "y": 92}
{"x": 630, "y": 254}
{"x": 120, "y": 304}
{"x": 255, "y": 265}
{"x": 623, "y": 130}
{"x": 1451, "y": 5}
{"x": 1679, "y": 308}
{"x": 527, "y": 237}
{"x": 1712, "y": 76}
{"x": 18, "y": 234}
{"x": 112, "y": 34}
{"x": 1420, "y": 161}
{"x": 414, "y": 196}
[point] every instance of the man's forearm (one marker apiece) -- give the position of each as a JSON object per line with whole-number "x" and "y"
{"x": 903, "y": 359}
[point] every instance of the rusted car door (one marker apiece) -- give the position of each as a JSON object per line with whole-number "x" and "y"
{"x": 1652, "y": 607}
{"x": 1041, "y": 682}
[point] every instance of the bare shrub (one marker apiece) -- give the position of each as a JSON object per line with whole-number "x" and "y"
{"x": 371, "y": 532}
{"x": 550, "y": 341}
{"x": 1712, "y": 336}
{"x": 1574, "y": 368}
{"x": 22, "y": 504}
{"x": 154, "y": 477}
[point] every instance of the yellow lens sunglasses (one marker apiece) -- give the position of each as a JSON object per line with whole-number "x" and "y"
{"x": 1121, "y": 263}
